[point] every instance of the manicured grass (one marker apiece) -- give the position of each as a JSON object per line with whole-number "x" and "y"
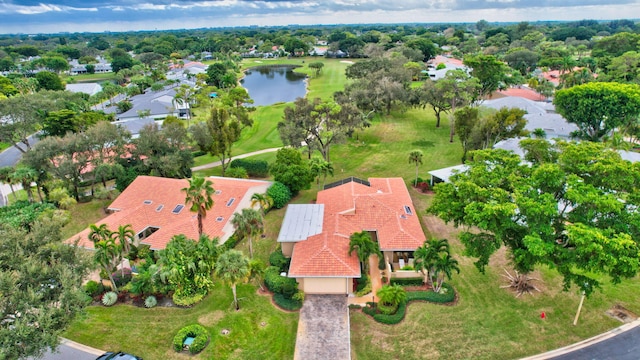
{"x": 85, "y": 78}
{"x": 83, "y": 215}
{"x": 148, "y": 333}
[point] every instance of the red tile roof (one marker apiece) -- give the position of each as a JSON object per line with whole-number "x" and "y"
{"x": 354, "y": 207}
{"x": 523, "y": 92}
{"x": 149, "y": 202}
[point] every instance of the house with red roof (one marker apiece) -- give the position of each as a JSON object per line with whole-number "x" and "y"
{"x": 316, "y": 236}
{"x": 156, "y": 210}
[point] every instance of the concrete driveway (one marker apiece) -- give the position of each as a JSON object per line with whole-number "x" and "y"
{"x": 323, "y": 329}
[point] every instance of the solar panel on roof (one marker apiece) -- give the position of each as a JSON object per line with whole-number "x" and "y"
{"x": 177, "y": 209}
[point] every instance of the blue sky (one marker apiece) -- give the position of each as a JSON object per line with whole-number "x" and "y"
{"x": 36, "y": 16}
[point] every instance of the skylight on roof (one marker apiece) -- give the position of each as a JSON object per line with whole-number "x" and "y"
{"x": 407, "y": 210}
{"x": 219, "y": 219}
{"x": 230, "y": 202}
{"x": 218, "y": 192}
{"x": 160, "y": 207}
{"x": 177, "y": 209}
{"x": 147, "y": 202}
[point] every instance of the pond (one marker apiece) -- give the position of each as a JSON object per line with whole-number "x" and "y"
{"x": 268, "y": 85}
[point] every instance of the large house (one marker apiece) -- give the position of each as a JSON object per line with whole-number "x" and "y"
{"x": 156, "y": 210}
{"x": 316, "y": 236}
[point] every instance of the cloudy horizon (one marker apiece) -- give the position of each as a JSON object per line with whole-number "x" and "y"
{"x": 54, "y": 16}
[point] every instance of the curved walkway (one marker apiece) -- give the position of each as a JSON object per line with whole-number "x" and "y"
{"x": 241, "y": 156}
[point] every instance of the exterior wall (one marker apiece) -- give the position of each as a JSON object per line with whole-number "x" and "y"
{"x": 287, "y": 248}
{"x": 325, "y": 285}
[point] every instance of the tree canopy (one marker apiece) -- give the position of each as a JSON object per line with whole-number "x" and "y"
{"x": 578, "y": 214}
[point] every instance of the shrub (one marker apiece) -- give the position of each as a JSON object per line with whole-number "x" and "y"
{"x": 407, "y": 282}
{"x": 431, "y": 296}
{"x": 355, "y": 307}
{"x": 93, "y": 288}
{"x": 278, "y": 260}
{"x": 275, "y": 282}
{"x": 407, "y": 267}
{"x": 188, "y": 300}
{"x": 362, "y": 282}
{"x": 387, "y": 309}
{"x": 237, "y": 173}
{"x": 150, "y": 302}
{"x": 287, "y": 303}
{"x": 198, "y": 332}
{"x": 144, "y": 250}
{"x": 394, "y": 318}
{"x": 230, "y": 243}
{"x": 289, "y": 289}
{"x": 109, "y": 298}
{"x": 365, "y": 290}
{"x": 441, "y": 66}
{"x": 121, "y": 279}
{"x": 280, "y": 194}
{"x": 255, "y": 168}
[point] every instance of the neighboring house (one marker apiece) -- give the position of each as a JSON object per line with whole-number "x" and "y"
{"x": 134, "y": 125}
{"x": 450, "y": 64}
{"x": 155, "y": 208}
{"x": 316, "y": 236}
{"x": 160, "y": 104}
{"x": 87, "y": 88}
{"x": 540, "y": 115}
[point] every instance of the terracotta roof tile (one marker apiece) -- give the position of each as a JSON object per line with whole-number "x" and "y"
{"x": 149, "y": 202}
{"x": 354, "y": 207}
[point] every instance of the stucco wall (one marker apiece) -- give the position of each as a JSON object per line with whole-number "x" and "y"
{"x": 326, "y": 285}
{"x": 287, "y": 248}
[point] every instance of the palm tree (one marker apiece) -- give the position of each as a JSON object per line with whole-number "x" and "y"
{"x": 25, "y": 176}
{"x": 265, "y": 201}
{"x": 415, "y": 157}
{"x": 426, "y": 256}
{"x": 199, "y": 195}
{"x": 364, "y": 247}
{"x": 107, "y": 255}
{"x": 232, "y": 267}
{"x": 320, "y": 166}
{"x": 391, "y": 295}
{"x": 444, "y": 266}
{"x": 99, "y": 233}
{"x": 248, "y": 223}
{"x": 124, "y": 236}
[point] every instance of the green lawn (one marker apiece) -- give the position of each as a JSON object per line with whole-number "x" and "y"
{"x": 257, "y": 331}
{"x": 85, "y": 78}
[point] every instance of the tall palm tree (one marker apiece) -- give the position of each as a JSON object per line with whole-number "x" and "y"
{"x": 248, "y": 223}
{"x": 232, "y": 268}
{"x": 125, "y": 237}
{"x": 199, "y": 195}
{"x": 107, "y": 255}
{"x": 320, "y": 166}
{"x": 415, "y": 157}
{"x": 25, "y": 176}
{"x": 444, "y": 266}
{"x": 364, "y": 247}
{"x": 426, "y": 256}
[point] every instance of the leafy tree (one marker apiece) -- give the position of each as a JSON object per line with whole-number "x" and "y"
{"x": 290, "y": 170}
{"x": 200, "y": 195}
{"x": 415, "y": 157}
{"x": 248, "y": 224}
{"x": 40, "y": 287}
{"x": 279, "y": 194}
{"x": 165, "y": 150}
{"x": 490, "y": 72}
{"x": 232, "y": 268}
{"x": 121, "y": 62}
{"x": 432, "y": 95}
{"x": 575, "y": 214}
{"x": 317, "y": 67}
{"x": 599, "y": 108}
{"x": 6, "y": 87}
{"x": 522, "y": 60}
{"x": 364, "y": 246}
{"x": 458, "y": 89}
{"x": 187, "y": 265}
{"x": 49, "y": 81}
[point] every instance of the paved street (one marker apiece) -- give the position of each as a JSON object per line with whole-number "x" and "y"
{"x": 624, "y": 346}
{"x": 11, "y": 155}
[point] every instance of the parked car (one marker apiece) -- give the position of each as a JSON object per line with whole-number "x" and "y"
{"x": 118, "y": 356}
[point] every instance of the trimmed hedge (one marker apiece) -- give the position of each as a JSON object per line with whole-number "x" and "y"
{"x": 285, "y": 303}
{"x": 407, "y": 282}
{"x": 277, "y": 283}
{"x": 255, "y": 168}
{"x": 198, "y": 332}
{"x": 278, "y": 260}
{"x": 447, "y": 296}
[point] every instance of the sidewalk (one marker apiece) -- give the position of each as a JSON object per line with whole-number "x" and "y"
{"x": 242, "y": 156}
{"x": 376, "y": 283}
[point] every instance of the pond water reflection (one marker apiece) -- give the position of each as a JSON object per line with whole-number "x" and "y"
{"x": 268, "y": 85}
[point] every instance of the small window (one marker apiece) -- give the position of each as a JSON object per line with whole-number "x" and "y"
{"x": 218, "y": 192}
{"x": 219, "y": 219}
{"x": 147, "y": 202}
{"x": 407, "y": 210}
{"x": 230, "y": 202}
{"x": 177, "y": 209}
{"x": 160, "y": 207}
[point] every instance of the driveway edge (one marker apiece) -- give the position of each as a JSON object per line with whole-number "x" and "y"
{"x": 584, "y": 343}
{"x": 78, "y": 346}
